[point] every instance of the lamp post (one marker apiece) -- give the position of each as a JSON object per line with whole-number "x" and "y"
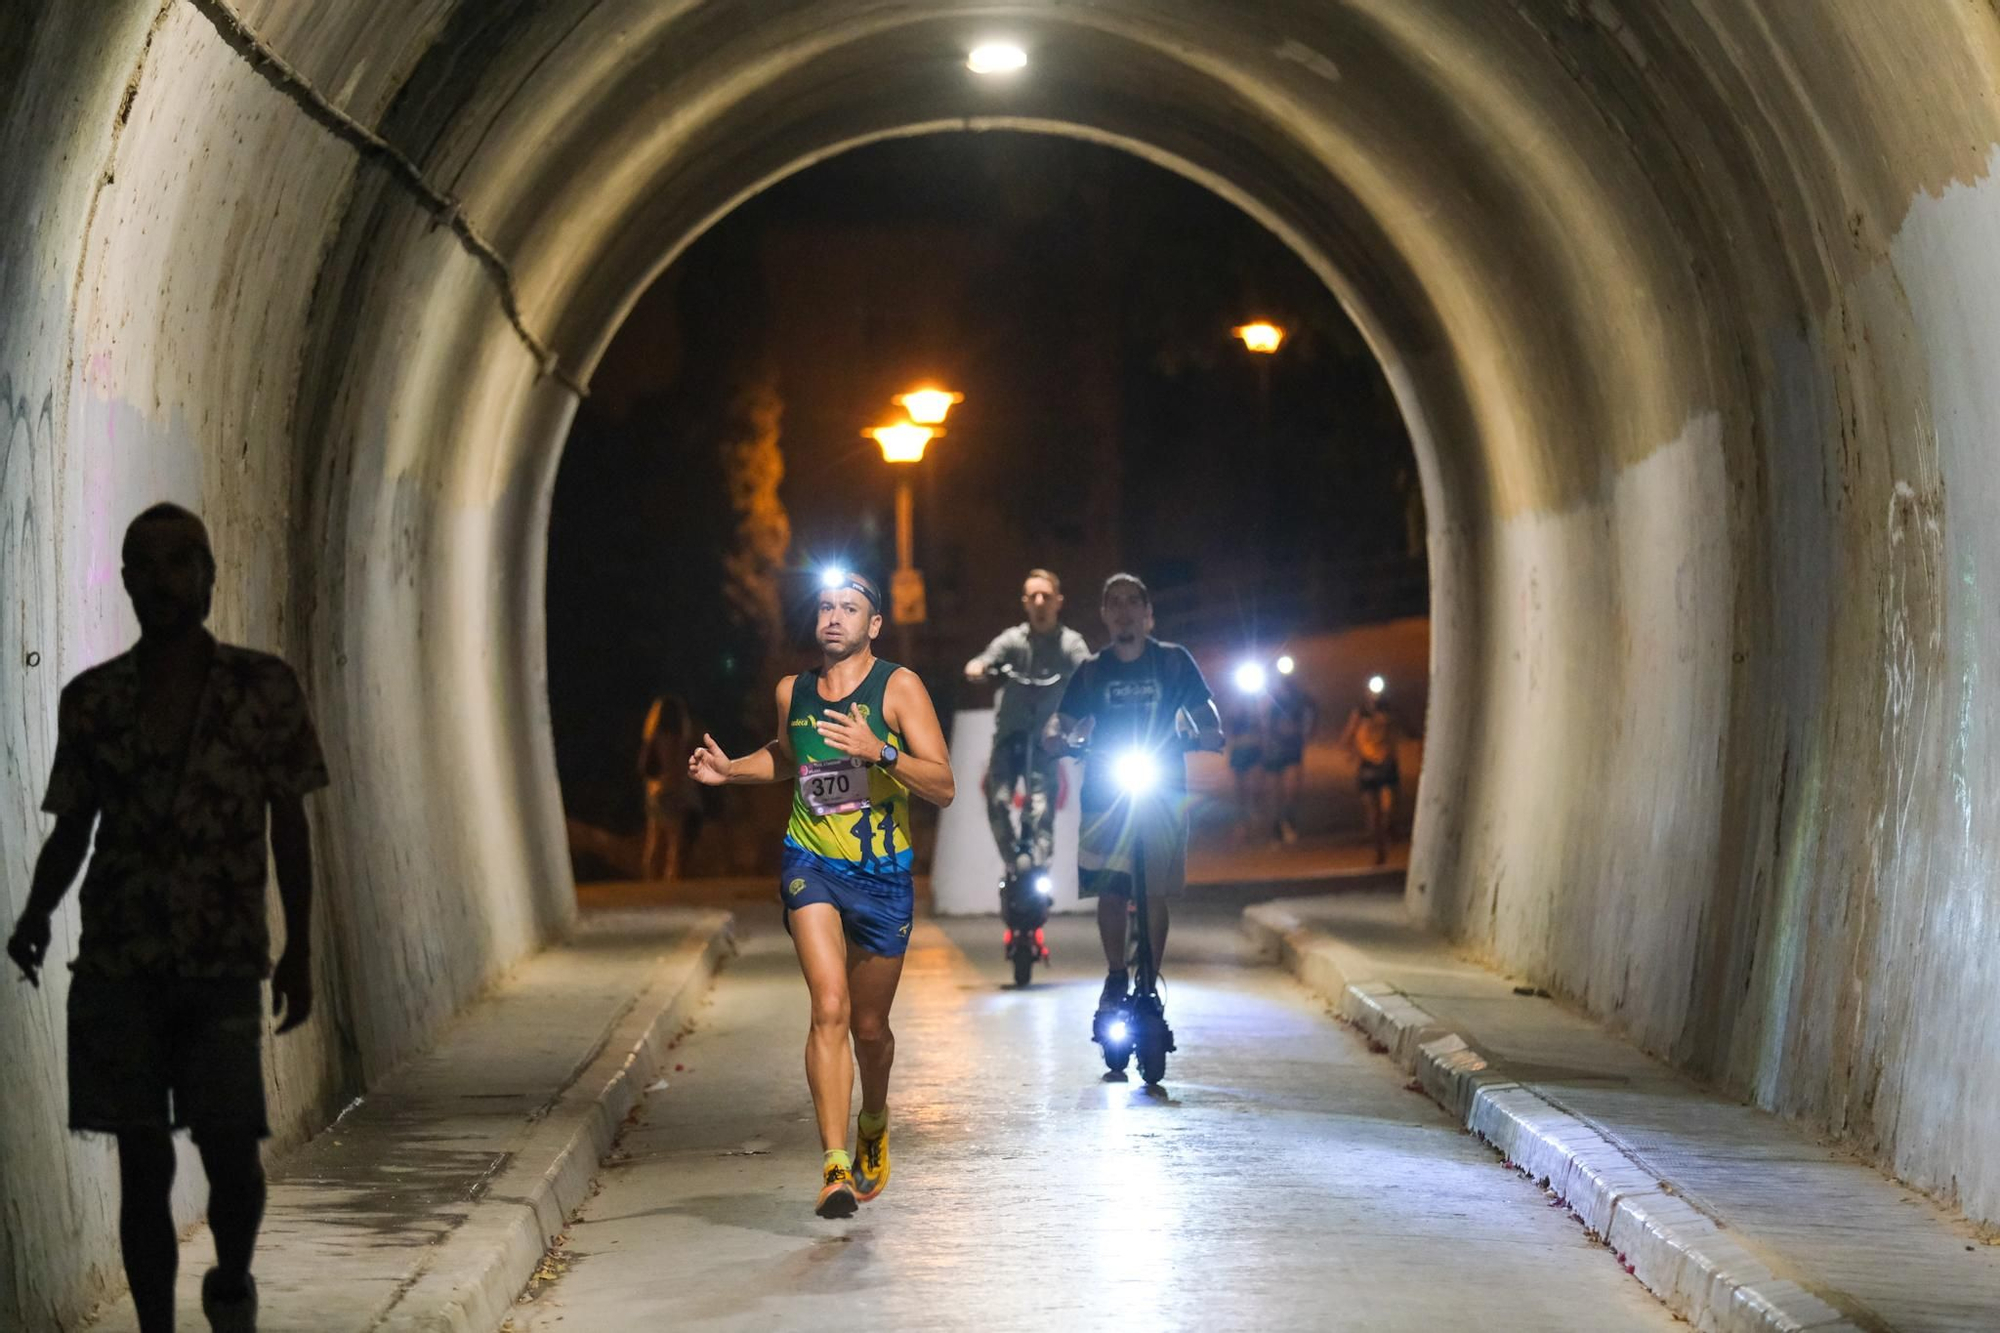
{"x": 903, "y": 443}
{"x": 1262, "y": 338}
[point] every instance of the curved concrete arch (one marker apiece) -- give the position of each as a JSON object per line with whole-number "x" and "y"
{"x": 1688, "y": 304}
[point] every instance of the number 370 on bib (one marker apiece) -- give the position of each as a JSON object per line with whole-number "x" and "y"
{"x": 834, "y": 786}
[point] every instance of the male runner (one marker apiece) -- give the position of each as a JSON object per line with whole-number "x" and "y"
{"x": 1371, "y": 736}
{"x": 858, "y": 735}
{"x": 1133, "y": 695}
{"x": 1039, "y": 648}
{"x": 1292, "y": 716}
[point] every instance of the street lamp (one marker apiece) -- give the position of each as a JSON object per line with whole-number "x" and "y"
{"x": 1263, "y": 338}
{"x": 902, "y": 441}
{"x": 1260, "y": 335}
{"x": 927, "y": 407}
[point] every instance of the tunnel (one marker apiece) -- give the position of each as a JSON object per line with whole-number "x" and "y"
{"x": 1690, "y": 309}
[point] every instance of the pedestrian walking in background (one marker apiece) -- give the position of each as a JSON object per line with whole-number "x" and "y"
{"x": 180, "y": 754}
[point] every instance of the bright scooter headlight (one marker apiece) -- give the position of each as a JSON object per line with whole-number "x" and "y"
{"x": 1118, "y": 1030}
{"x": 1136, "y": 772}
{"x": 1045, "y": 884}
{"x": 1250, "y": 678}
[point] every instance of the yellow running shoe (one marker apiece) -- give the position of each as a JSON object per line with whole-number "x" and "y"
{"x": 836, "y": 1198}
{"x": 871, "y": 1164}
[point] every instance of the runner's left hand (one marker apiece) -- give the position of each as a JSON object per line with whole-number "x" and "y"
{"x": 849, "y": 734}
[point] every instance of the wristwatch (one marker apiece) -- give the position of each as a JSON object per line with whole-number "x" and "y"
{"x": 890, "y": 754}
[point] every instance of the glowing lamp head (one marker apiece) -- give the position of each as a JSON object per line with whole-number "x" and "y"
{"x": 1250, "y": 678}
{"x": 833, "y": 576}
{"x": 903, "y": 441}
{"x": 1286, "y": 666}
{"x": 996, "y": 58}
{"x": 1045, "y": 885}
{"x": 1376, "y": 685}
{"x": 927, "y": 407}
{"x": 1136, "y": 772}
{"x": 1260, "y": 335}
{"x": 1118, "y": 1030}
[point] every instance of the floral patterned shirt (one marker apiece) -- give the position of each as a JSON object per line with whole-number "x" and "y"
{"x": 177, "y": 876}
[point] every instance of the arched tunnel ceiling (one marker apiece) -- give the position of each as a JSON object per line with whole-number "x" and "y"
{"x": 1689, "y": 305}
{"x": 585, "y": 151}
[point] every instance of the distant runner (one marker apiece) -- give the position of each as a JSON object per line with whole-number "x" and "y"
{"x": 1370, "y": 736}
{"x": 665, "y": 736}
{"x": 857, "y": 736}
{"x": 1292, "y": 717}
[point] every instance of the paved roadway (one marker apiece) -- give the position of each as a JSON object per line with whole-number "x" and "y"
{"x": 1283, "y": 1178}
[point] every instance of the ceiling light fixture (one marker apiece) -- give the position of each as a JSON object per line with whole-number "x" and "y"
{"x": 996, "y": 58}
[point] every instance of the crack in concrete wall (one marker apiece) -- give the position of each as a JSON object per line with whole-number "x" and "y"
{"x": 446, "y": 210}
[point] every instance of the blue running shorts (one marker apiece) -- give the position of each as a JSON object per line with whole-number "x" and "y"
{"x": 876, "y": 912}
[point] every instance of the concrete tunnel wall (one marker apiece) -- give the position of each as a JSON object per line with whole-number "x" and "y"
{"x": 1690, "y": 306}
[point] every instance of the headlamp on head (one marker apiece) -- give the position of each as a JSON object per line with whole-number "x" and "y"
{"x": 834, "y": 579}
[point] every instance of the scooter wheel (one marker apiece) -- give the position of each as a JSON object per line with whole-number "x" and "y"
{"x": 1024, "y": 964}
{"x": 1116, "y": 1057}
{"x": 1152, "y": 1058}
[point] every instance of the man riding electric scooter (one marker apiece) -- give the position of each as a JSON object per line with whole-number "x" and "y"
{"x": 1138, "y": 706}
{"x": 1032, "y": 662}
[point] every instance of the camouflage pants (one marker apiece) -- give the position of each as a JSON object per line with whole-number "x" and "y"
{"x": 1004, "y": 773}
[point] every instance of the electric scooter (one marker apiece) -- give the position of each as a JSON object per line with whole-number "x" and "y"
{"x": 1025, "y": 894}
{"x": 1139, "y": 1025}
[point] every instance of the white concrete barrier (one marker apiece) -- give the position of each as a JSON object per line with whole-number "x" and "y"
{"x": 965, "y": 872}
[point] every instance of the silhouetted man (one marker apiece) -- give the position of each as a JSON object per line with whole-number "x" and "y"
{"x": 175, "y": 751}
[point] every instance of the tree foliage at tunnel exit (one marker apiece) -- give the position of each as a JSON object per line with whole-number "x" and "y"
{"x": 667, "y": 540}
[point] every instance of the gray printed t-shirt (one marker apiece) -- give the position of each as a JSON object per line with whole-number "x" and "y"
{"x": 1056, "y": 653}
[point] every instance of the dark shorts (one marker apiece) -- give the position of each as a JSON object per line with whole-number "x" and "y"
{"x": 1283, "y": 755}
{"x": 876, "y": 913}
{"x": 166, "y": 1052}
{"x": 1109, "y": 845}
{"x": 1243, "y": 758}
{"x": 1375, "y": 777}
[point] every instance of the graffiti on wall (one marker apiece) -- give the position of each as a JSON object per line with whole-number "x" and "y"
{"x": 29, "y": 681}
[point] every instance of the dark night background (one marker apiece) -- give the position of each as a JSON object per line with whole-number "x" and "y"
{"x": 1082, "y": 300}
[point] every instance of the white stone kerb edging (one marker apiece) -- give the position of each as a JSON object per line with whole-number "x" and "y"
{"x": 1678, "y": 1253}
{"x": 471, "y": 1285}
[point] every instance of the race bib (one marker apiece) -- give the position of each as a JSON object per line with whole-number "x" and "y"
{"x": 834, "y": 786}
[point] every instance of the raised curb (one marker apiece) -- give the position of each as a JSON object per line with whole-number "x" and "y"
{"x": 1681, "y": 1255}
{"x": 471, "y": 1280}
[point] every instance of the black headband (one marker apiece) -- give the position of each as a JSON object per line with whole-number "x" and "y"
{"x": 860, "y": 585}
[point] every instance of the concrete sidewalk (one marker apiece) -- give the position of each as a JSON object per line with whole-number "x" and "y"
{"x": 430, "y": 1202}
{"x": 1738, "y": 1220}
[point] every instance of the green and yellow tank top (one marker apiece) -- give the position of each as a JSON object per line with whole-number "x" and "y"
{"x": 852, "y": 815}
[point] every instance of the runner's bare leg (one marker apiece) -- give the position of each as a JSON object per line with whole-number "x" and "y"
{"x": 871, "y": 985}
{"x": 822, "y": 948}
